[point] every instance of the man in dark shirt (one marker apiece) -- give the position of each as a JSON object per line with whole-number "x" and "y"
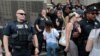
{"x": 88, "y": 23}
{"x": 17, "y": 35}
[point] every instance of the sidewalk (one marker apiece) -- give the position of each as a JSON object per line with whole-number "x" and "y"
{"x": 44, "y": 53}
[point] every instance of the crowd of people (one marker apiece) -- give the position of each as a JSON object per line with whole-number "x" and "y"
{"x": 80, "y": 23}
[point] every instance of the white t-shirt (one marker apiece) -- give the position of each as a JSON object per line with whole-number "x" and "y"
{"x": 52, "y": 36}
{"x": 95, "y": 36}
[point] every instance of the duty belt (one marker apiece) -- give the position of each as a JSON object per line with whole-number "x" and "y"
{"x": 20, "y": 47}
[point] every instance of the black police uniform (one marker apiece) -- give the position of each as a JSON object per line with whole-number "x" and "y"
{"x": 86, "y": 26}
{"x": 40, "y": 21}
{"x": 20, "y": 36}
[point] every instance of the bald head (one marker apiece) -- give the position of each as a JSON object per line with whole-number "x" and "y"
{"x": 20, "y": 11}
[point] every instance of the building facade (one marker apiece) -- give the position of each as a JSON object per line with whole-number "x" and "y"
{"x": 8, "y": 9}
{"x": 88, "y": 2}
{"x": 83, "y": 2}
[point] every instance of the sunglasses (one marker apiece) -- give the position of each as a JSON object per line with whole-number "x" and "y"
{"x": 22, "y": 13}
{"x": 93, "y": 13}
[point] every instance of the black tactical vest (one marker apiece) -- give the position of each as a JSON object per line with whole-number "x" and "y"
{"x": 22, "y": 36}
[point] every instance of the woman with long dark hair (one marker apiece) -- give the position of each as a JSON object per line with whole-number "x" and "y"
{"x": 50, "y": 35}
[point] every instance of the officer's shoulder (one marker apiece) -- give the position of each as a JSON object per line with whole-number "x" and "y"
{"x": 39, "y": 17}
{"x": 29, "y": 23}
{"x": 11, "y": 22}
{"x": 97, "y": 21}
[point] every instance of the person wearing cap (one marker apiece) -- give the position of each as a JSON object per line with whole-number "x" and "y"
{"x": 88, "y": 23}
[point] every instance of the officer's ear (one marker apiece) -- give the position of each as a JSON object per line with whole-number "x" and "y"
{"x": 16, "y": 14}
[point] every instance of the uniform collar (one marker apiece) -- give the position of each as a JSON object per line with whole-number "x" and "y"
{"x": 20, "y": 22}
{"x": 91, "y": 21}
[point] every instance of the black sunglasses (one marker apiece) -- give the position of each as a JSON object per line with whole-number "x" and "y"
{"x": 94, "y": 13}
{"x": 22, "y": 13}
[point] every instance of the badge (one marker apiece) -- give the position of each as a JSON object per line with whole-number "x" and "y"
{"x": 20, "y": 26}
{"x": 96, "y": 23}
{"x": 95, "y": 8}
{"x": 26, "y": 26}
{"x": 42, "y": 18}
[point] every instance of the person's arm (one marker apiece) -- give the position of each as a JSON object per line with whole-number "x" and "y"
{"x": 56, "y": 33}
{"x": 44, "y": 37}
{"x": 5, "y": 43}
{"x": 91, "y": 37}
{"x": 68, "y": 34}
{"x": 57, "y": 22}
{"x": 6, "y": 34}
{"x": 89, "y": 45}
{"x": 79, "y": 29}
{"x": 36, "y": 24}
{"x": 35, "y": 41}
{"x": 37, "y": 27}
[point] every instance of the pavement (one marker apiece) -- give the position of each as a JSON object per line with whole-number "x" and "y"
{"x": 44, "y": 53}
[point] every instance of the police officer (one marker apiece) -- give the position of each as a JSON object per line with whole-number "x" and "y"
{"x": 39, "y": 26}
{"x": 87, "y": 23}
{"x": 17, "y": 35}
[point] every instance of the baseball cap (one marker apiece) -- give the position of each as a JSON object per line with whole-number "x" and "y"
{"x": 91, "y": 8}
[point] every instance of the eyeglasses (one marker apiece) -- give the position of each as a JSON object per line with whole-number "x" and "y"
{"x": 21, "y": 13}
